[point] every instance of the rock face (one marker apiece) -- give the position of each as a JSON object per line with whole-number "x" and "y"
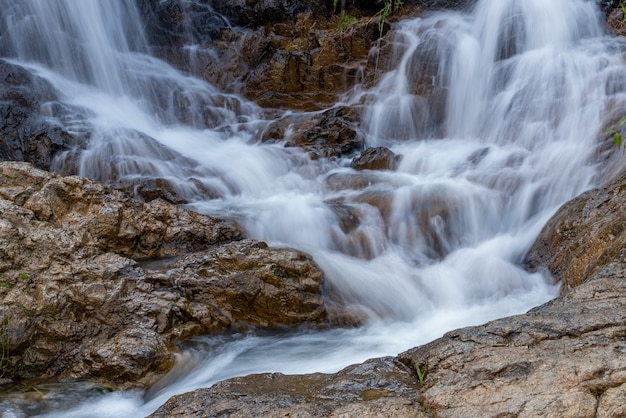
{"x": 566, "y": 358}
{"x": 82, "y": 293}
{"x": 584, "y": 235}
{"x": 26, "y": 134}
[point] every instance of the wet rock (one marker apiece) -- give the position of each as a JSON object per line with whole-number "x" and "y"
{"x": 254, "y": 13}
{"x": 378, "y": 158}
{"x": 565, "y": 358}
{"x": 608, "y": 5}
{"x": 253, "y": 285}
{"x": 76, "y": 303}
{"x": 304, "y": 64}
{"x": 615, "y": 21}
{"x": 375, "y": 388}
{"x": 26, "y": 134}
{"x": 331, "y": 133}
{"x": 584, "y": 235}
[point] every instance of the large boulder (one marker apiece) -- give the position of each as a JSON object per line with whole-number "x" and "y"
{"x": 565, "y": 358}
{"x": 93, "y": 285}
{"x": 584, "y": 235}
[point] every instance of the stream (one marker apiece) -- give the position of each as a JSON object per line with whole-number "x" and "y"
{"x": 527, "y": 85}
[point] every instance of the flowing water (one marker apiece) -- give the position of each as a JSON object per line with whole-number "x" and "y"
{"x": 519, "y": 96}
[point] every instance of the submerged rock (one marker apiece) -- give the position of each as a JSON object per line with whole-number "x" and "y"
{"x": 77, "y": 304}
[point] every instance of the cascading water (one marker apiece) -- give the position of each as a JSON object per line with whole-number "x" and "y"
{"x": 519, "y": 89}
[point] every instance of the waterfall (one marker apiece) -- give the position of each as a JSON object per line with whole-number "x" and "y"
{"x": 495, "y": 111}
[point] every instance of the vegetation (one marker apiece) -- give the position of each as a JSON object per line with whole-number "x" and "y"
{"x": 617, "y": 135}
{"x": 389, "y": 7}
{"x": 345, "y": 21}
{"x": 421, "y": 375}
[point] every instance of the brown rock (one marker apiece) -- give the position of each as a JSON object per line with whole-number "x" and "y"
{"x": 253, "y": 285}
{"x": 75, "y": 304}
{"x": 379, "y": 158}
{"x": 585, "y": 234}
{"x": 331, "y": 133}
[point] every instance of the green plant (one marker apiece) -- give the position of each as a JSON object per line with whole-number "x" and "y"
{"x": 617, "y": 135}
{"x": 621, "y": 5}
{"x": 389, "y": 7}
{"x": 421, "y": 375}
{"x": 24, "y": 276}
{"x": 345, "y": 21}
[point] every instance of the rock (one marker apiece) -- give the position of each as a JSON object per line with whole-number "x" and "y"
{"x": 85, "y": 214}
{"x": 378, "y": 158}
{"x": 608, "y": 5}
{"x": 585, "y": 234}
{"x": 332, "y": 133}
{"x": 615, "y": 21}
{"x": 76, "y": 302}
{"x": 254, "y": 13}
{"x": 26, "y": 134}
{"x": 565, "y": 358}
{"x": 253, "y": 285}
{"x": 375, "y": 388}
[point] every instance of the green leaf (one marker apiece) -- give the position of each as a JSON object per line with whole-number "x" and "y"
{"x": 617, "y": 138}
{"x": 622, "y": 121}
{"x": 420, "y": 375}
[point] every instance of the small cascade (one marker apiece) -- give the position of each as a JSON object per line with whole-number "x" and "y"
{"x": 496, "y": 114}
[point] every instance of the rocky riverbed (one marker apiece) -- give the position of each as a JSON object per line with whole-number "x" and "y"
{"x": 104, "y": 282}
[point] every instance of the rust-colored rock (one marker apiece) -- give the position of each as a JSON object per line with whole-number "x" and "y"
{"x": 378, "y": 158}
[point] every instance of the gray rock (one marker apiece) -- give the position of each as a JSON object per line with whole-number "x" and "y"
{"x": 566, "y": 358}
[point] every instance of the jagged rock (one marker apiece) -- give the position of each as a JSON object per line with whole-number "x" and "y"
{"x": 253, "y": 285}
{"x": 26, "y": 134}
{"x": 331, "y": 133}
{"x": 584, "y": 235}
{"x": 565, "y": 358}
{"x": 76, "y": 303}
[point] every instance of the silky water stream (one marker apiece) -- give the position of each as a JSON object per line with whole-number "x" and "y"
{"x": 523, "y": 87}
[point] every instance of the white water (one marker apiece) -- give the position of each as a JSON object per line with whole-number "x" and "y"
{"x": 439, "y": 241}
